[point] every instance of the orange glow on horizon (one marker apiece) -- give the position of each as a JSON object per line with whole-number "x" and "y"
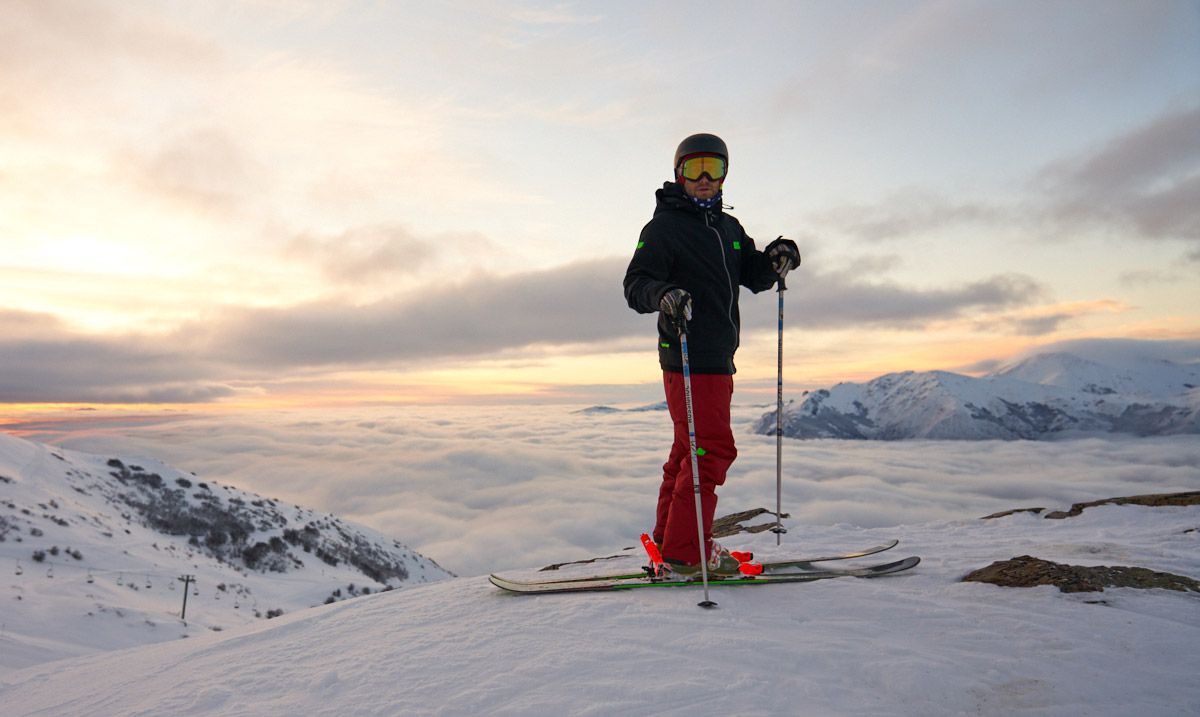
{"x": 811, "y": 360}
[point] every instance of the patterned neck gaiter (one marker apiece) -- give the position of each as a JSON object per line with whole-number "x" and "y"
{"x": 715, "y": 201}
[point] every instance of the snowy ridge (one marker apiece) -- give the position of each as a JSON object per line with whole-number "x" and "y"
{"x": 602, "y": 410}
{"x": 1143, "y": 377}
{"x": 1043, "y": 396}
{"x": 93, "y": 548}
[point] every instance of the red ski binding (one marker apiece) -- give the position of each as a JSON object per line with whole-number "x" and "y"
{"x": 656, "y": 568}
{"x": 748, "y": 568}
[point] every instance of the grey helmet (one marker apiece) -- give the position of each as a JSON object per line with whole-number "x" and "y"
{"x": 701, "y": 144}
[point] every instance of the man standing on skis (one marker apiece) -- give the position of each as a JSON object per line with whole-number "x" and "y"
{"x": 690, "y": 260}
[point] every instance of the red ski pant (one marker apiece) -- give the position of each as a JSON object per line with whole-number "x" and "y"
{"x": 675, "y": 525}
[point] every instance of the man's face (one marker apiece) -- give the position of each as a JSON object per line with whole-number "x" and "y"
{"x": 709, "y": 173}
{"x": 702, "y": 188}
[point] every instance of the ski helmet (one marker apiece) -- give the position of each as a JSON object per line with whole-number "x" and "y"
{"x": 701, "y": 144}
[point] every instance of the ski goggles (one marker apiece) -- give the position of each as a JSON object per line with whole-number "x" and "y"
{"x": 693, "y": 168}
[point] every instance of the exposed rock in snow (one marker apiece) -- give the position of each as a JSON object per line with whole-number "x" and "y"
{"x": 1152, "y": 500}
{"x": 1026, "y": 571}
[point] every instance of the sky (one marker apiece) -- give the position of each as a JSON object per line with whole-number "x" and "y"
{"x": 276, "y": 203}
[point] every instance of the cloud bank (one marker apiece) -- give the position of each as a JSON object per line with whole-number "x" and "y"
{"x": 488, "y": 488}
{"x": 577, "y": 307}
{"x": 1144, "y": 184}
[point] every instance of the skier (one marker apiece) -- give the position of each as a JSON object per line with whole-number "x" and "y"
{"x": 688, "y": 265}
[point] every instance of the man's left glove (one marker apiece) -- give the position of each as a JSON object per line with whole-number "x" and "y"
{"x": 676, "y": 304}
{"x": 784, "y": 255}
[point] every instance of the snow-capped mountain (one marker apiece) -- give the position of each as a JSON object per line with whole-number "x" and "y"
{"x": 1042, "y": 396}
{"x": 96, "y": 549}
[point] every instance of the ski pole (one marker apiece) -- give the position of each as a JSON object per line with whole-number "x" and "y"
{"x": 691, "y": 417}
{"x": 779, "y": 530}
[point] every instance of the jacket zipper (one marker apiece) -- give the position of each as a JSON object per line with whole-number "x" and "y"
{"x": 728, "y": 281}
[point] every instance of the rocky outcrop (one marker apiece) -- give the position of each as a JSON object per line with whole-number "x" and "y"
{"x": 1150, "y": 499}
{"x": 733, "y": 524}
{"x": 1027, "y": 571}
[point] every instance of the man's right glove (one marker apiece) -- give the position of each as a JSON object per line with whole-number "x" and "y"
{"x": 784, "y": 255}
{"x": 677, "y": 305}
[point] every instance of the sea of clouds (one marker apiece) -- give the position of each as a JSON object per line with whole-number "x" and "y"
{"x": 481, "y": 489}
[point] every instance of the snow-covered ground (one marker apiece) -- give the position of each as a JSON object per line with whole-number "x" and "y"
{"x": 921, "y": 643}
{"x": 93, "y": 549}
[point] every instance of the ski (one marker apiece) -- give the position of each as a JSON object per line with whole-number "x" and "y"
{"x": 769, "y": 567}
{"x": 775, "y": 566}
{"x": 634, "y": 583}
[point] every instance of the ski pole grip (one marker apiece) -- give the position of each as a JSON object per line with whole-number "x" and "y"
{"x": 680, "y": 325}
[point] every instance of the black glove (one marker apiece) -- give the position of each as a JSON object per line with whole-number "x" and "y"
{"x": 784, "y": 255}
{"x": 677, "y": 305}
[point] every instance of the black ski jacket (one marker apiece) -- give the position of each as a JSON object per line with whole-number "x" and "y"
{"x": 706, "y": 253}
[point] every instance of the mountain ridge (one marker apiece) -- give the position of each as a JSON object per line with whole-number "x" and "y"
{"x": 1047, "y": 395}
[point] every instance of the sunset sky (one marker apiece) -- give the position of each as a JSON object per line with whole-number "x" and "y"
{"x": 284, "y": 202}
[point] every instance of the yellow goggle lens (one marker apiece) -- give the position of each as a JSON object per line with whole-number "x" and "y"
{"x": 695, "y": 167}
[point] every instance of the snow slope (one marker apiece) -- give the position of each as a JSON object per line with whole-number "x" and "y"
{"x": 1045, "y": 395}
{"x": 918, "y": 644}
{"x": 92, "y": 549}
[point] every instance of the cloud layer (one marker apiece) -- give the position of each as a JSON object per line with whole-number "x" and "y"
{"x": 483, "y": 489}
{"x": 1144, "y": 183}
{"x": 475, "y": 318}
